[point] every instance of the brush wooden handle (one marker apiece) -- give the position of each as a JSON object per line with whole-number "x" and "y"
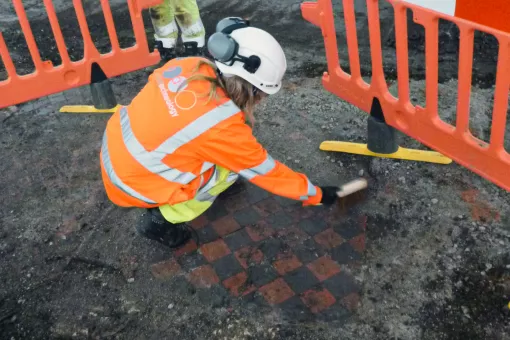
{"x": 352, "y": 187}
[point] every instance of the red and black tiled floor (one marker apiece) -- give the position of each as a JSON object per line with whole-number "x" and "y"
{"x": 273, "y": 252}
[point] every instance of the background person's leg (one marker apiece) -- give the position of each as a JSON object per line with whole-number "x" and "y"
{"x": 165, "y": 27}
{"x": 193, "y": 31}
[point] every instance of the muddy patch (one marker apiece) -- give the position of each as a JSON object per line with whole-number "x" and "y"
{"x": 478, "y": 309}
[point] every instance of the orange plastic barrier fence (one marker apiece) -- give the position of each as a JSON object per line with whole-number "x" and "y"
{"x": 489, "y": 160}
{"x": 47, "y": 79}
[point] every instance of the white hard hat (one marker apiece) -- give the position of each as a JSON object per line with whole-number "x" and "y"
{"x": 252, "y": 54}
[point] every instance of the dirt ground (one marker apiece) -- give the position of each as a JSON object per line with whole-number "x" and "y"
{"x": 437, "y": 257}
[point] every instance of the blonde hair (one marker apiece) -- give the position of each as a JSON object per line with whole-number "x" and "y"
{"x": 236, "y": 88}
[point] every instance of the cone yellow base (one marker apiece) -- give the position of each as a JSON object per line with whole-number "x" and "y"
{"x": 402, "y": 153}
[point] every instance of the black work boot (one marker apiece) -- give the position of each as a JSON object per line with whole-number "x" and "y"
{"x": 154, "y": 226}
{"x": 191, "y": 49}
{"x": 165, "y": 53}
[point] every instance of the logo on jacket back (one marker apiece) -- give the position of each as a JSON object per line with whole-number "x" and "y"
{"x": 169, "y": 103}
{"x": 175, "y": 81}
{"x": 177, "y": 84}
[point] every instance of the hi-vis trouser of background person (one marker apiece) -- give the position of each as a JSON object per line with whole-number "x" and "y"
{"x": 169, "y": 14}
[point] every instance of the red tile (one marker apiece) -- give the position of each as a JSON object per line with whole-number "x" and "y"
{"x": 248, "y": 255}
{"x": 199, "y": 222}
{"x": 276, "y": 292}
{"x": 363, "y": 222}
{"x": 286, "y": 262}
{"x": 215, "y": 250}
{"x": 203, "y": 277}
{"x": 189, "y": 247}
{"x": 329, "y": 239}
{"x": 238, "y": 286}
{"x": 351, "y": 301}
{"x": 323, "y": 268}
{"x": 225, "y": 225}
{"x": 293, "y": 236}
{"x": 318, "y": 300}
{"x": 260, "y": 231}
{"x": 236, "y": 202}
{"x": 303, "y": 213}
{"x": 165, "y": 269}
{"x": 358, "y": 243}
{"x": 267, "y": 207}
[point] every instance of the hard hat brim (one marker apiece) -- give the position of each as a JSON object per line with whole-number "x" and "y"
{"x": 225, "y": 69}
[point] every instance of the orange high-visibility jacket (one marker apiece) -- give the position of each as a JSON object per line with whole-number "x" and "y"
{"x": 163, "y": 147}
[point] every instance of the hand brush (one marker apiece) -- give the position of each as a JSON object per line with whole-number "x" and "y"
{"x": 352, "y": 192}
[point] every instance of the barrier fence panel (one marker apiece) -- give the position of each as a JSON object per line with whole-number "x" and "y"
{"x": 48, "y": 79}
{"x": 489, "y": 160}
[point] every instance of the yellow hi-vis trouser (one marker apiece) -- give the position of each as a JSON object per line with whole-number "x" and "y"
{"x": 187, "y": 211}
{"x": 187, "y": 15}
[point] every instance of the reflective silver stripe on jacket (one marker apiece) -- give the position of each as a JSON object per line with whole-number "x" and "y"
{"x": 262, "y": 169}
{"x": 268, "y": 165}
{"x": 105, "y": 157}
{"x": 152, "y": 160}
{"x": 232, "y": 177}
{"x": 198, "y": 127}
{"x": 202, "y": 193}
{"x": 206, "y": 166}
{"x": 312, "y": 191}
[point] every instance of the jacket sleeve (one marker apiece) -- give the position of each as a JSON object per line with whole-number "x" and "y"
{"x": 236, "y": 149}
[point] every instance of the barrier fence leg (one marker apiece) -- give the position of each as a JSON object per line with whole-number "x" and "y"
{"x": 383, "y": 142}
{"x": 102, "y": 95}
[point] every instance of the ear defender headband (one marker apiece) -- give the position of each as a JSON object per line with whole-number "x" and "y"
{"x": 225, "y": 49}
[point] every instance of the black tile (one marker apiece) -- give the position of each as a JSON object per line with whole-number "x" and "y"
{"x": 216, "y": 296}
{"x": 279, "y": 220}
{"x": 191, "y": 261}
{"x": 235, "y": 189}
{"x": 256, "y": 194}
{"x": 238, "y": 240}
{"x": 227, "y": 266}
{"x": 318, "y": 210}
{"x": 180, "y": 286}
{"x": 255, "y": 302}
{"x": 285, "y": 202}
{"x": 341, "y": 285}
{"x": 272, "y": 247}
{"x": 301, "y": 279}
{"x": 207, "y": 234}
{"x": 348, "y": 230}
{"x": 235, "y": 202}
{"x": 345, "y": 254}
{"x": 254, "y": 297}
{"x": 217, "y": 210}
{"x": 313, "y": 226}
{"x": 336, "y": 313}
{"x": 294, "y": 310}
{"x": 261, "y": 275}
{"x": 308, "y": 252}
{"x": 247, "y": 216}
{"x": 293, "y": 236}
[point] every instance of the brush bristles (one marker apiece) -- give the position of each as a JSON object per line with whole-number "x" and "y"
{"x": 351, "y": 200}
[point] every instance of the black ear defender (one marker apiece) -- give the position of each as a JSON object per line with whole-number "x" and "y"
{"x": 223, "y": 48}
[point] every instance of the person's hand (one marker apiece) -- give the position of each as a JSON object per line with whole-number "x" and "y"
{"x": 329, "y": 195}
